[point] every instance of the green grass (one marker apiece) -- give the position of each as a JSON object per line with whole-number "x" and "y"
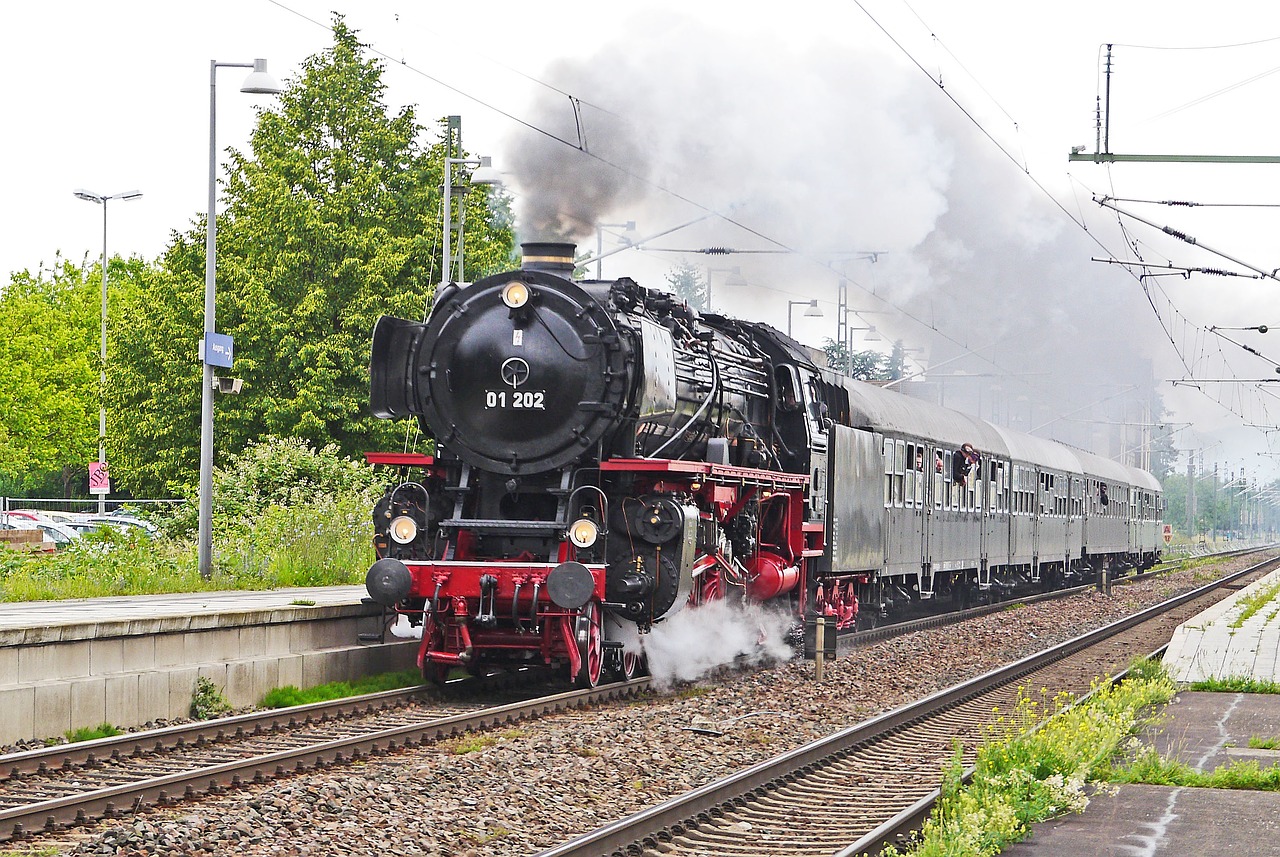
{"x": 1256, "y": 743}
{"x": 465, "y": 744}
{"x": 1255, "y": 602}
{"x": 283, "y": 697}
{"x": 1236, "y": 684}
{"x": 90, "y": 733}
{"x": 1150, "y": 768}
{"x": 326, "y": 543}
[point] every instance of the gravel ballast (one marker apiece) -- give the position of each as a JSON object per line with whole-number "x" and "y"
{"x": 518, "y": 790}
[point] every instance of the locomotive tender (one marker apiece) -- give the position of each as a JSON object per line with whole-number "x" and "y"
{"x": 607, "y": 456}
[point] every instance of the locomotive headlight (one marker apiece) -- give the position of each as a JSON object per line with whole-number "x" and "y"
{"x": 584, "y": 533}
{"x": 403, "y": 530}
{"x": 515, "y": 294}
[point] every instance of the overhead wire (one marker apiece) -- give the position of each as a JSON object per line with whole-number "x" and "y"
{"x": 581, "y": 146}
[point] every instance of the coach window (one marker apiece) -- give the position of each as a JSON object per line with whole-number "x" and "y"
{"x": 937, "y": 478}
{"x": 899, "y": 471}
{"x": 909, "y": 488}
{"x": 946, "y": 480}
{"x": 920, "y": 478}
{"x": 888, "y": 471}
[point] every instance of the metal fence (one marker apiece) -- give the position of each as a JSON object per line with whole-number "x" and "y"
{"x": 80, "y": 505}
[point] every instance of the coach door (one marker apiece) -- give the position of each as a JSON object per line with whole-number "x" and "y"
{"x": 995, "y": 537}
{"x": 918, "y": 511}
{"x": 1073, "y": 519}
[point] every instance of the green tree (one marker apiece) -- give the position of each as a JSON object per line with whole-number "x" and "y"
{"x": 330, "y": 222}
{"x": 687, "y": 283}
{"x": 863, "y": 365}
{"x": 49, "y": 389}
{"x": 897, "y": 361}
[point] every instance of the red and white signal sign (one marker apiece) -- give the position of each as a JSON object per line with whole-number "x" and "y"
{"x": 1168, "y": 533}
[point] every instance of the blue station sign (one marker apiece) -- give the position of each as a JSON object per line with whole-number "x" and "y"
{"x": 218, "y": 348}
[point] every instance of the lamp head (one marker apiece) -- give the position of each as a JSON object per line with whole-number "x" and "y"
{"x": 485, "y": 173}
{"x": 259, "y": 82}
{"x": 813, "y": 310}
{"x": 88, "y": 195}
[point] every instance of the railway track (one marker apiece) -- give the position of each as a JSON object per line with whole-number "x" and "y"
{"x": 867, "y": 786}
{"x": 49, "y": 789}
{"x": 52, "y": 788}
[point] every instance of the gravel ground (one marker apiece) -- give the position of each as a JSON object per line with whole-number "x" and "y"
{"x": 526, "y": 788}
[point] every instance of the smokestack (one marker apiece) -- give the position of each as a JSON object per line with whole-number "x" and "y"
{"x": 551, "y": 256}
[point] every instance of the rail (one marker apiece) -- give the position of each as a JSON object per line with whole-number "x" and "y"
{"x": 659, "y": 823}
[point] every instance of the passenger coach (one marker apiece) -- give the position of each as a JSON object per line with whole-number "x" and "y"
{"x": 964, "y": 506}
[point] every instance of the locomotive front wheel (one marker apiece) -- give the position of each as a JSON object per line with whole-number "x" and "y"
{"x": 590, "y": 649}
{"x": 630, "y": 665}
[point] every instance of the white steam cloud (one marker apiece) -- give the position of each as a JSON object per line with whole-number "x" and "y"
{"x": 697, "y": 640}
{"x": 830, "y": 151}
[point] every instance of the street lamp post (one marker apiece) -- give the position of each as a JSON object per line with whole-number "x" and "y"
{"x": 484, "y": 174}
{"x": 481, "y": 176}
{"x": 628, "y": 237}
{"x": 101, "y": 199}
{"x": 259, "y": 82}
{"x": 735, "y": 278}
{"x": 812, "y": 311}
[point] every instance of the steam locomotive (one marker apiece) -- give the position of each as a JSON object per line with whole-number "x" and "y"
{"x": 607, "y": 456}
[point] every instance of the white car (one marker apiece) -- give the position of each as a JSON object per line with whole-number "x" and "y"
{"x": 61, "y": 534}
{"x": 123, "y": 523}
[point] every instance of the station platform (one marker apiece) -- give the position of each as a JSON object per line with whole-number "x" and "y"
{"x": 1239, "y": 637}
{"x": 1236, "y": 638}
{"x": 1203, "y": 730}
{"x": 35, "y": 622}
{"x": 133, "y": 660}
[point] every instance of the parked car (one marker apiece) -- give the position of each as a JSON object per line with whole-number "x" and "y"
{"x": 48, "y": 515}
{"x": 123, "y": 523}
{"x": 60, "y": 533}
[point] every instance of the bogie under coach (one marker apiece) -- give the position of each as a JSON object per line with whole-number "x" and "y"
{"x": 607, "y": 456}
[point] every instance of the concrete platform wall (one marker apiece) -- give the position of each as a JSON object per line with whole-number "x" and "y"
{"x": 57, "y": 678}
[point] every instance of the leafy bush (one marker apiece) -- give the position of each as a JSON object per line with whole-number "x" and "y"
{"x": 284, "y": 515}
{"x": 207, "y": 702}
{"x": 285, "y": 472}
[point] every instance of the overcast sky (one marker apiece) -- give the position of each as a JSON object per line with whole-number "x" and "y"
{"x": 935, "y": 133}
